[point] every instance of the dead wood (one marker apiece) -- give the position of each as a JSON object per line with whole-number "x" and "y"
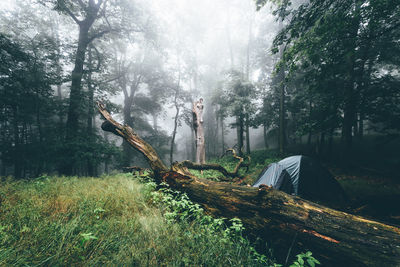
{"x": 336, "y": 238}
{"x": 217, "y": 167}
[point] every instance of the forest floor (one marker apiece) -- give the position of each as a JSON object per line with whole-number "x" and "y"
{"x": 371, "y": 195}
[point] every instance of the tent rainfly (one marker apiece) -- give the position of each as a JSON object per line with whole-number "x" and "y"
{"x": 305, "y": 177}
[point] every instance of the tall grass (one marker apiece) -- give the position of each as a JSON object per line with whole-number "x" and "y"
{"x": 113, "y": 220}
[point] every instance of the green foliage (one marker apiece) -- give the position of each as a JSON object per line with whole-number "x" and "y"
{"x": 259, "y": 160}
{"x": 178, "y": 208}
{"x": 117, "y": 220}
{"x": 113, "y": 220}
{"x": 305, "y": 259}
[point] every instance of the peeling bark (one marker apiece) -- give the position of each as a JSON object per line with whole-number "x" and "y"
{"x": 198, "y": 127}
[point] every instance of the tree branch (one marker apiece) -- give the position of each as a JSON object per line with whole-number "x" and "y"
{"x": 81, "y": 4}
{"x": 217, "y": 167}
{"x": 69, "y": 12}
{"x": 126, "y": 132}
{"x": 99, "y": 34}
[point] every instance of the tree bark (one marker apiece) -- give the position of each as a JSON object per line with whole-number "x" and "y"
{"x": 176, "y": 122}
{"x": 247, "y": 135}
{"x": 239, "y": 130}
{"x": 75, "y": 96}
{"x": 198, "y": 127}
{"x": 222, "y": 134}
{"x": 265, "y": 136}
{"x": 284, "y": 221}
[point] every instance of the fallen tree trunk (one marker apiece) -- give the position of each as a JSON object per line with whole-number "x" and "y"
{"x": 336, "y": 238}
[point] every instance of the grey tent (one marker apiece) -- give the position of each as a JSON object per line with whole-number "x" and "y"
{"x": 305, "y": 177}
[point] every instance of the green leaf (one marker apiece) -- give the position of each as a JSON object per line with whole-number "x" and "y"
{"x": 311, "y": 262}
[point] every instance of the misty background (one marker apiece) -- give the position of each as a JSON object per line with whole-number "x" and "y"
{"x": 265, "y": 84}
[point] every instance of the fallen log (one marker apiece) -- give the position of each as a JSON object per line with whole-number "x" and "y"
{"x": 336, "y": 238}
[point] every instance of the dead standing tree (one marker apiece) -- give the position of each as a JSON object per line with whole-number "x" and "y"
{"x": 198, "y": 127}
{"x": 336, "y": 238}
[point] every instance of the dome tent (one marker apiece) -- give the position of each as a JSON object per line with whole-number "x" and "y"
{"x": 305, "y": 177}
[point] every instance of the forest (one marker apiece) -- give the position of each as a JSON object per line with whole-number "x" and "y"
{"x": 132, "y": 131}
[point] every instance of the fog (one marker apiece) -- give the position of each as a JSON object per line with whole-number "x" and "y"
{"x": 216, "y": 36}
{"x": 181, "y": 48}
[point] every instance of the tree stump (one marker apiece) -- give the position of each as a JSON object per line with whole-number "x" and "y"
{"x": 197, "y": 111}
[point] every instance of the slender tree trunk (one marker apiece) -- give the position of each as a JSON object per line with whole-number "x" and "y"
{"x": 265, "y": 136}
{"x": 17, "y": 152}
{"x": 247, "y": 135}
{"x": 361, "y": 124}
{"x": 59, "y": 75}
{"x": 222, "y": 135}
{"x": 350, "y": 93}
{"x": 355, "y": 125}
{"x": 176, "y": 121}
{"x": 40, "y": 130}
{"x": 91, "y": 166}
{"x": 282, "y": 130}
{"x": 193, "y": 144}
{"x": 282, "y": 111}
{"x": 239, "y": 129}
{"x": 176, "y": 104}
{"x": 322, "y": 144}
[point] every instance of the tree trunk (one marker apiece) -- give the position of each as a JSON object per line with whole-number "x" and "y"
{"x": 75, "y": 96}
{"x": 239, "y": 127}
{"x": 176, "y": 120}
{"x": 17, "y": 152}
{"x": 222, "y": 135}
{"x": 282, "y": 108}
{"x": 282, "y": 130}
{"x": 350, "y": 94}
{"x": 198, "y": 127}
{"x": 247, "y": 135}
{"x": 284, "y": 221}
{"x": 91, "y": 166}
{"x": 330, "y": 143}
{"x": 265, "y": 136}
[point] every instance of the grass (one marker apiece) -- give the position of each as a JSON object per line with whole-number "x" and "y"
{"x": 113, "y": 220}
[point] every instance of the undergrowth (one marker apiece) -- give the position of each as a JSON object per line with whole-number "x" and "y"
{"x": 259, "y": 159}
{"x": 114, "y": 220}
